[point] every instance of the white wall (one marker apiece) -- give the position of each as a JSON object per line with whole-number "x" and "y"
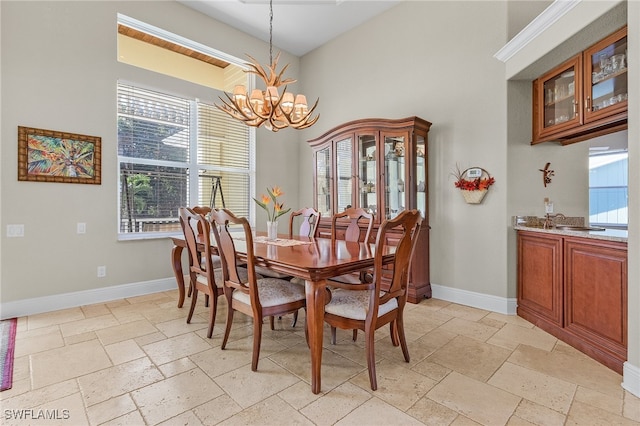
{"x": 59, "y": 72}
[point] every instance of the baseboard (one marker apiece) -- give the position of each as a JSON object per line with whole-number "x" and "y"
{"x": 497, "y": 304}
{"x": 37, "y": 305}
{"x": 631, "y": 378}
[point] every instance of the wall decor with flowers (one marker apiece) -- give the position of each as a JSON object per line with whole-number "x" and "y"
{"x": 474, "y": 183}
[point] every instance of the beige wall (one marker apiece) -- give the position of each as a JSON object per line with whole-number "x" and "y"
{"x": 59, "y": 72}
{"x": 433, "y": 60}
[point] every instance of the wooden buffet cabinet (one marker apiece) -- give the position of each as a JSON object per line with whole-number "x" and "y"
{"x": 584, "y": 97}
{"x": 576, "y": 289}
{"x": 379, "y": 165}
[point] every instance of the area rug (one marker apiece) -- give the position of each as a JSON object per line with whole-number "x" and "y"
{"x": 7, "y": 346}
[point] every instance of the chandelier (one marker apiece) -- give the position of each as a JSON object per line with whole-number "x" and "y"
{"x": 276, "y": 111}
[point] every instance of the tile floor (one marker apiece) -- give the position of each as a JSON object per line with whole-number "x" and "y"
{"x": 135, "y": 362}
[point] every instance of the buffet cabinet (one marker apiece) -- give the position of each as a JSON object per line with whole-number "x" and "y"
{"x": 576, "y": 289}
{"x": 584, "y": 97}
{"x": 379, "y": 165}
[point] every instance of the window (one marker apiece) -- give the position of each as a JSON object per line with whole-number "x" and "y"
{"x": 175, "y": 152}
{"x": 608, "y": 189}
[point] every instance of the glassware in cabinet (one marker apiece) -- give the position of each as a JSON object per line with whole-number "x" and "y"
{"x": 558, "y": 96}
{"x": 421, "y": 175}
{"x": 394, "y": 177}
{"x": 368, "y": 173}
{"x": 323, "y": 181}
{"x": 344, "y": 174}
{"x": 606, "y": 85}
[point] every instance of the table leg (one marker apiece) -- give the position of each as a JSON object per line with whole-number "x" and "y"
{"x": 176, "y": 259}
{"x": 315, "y": 291}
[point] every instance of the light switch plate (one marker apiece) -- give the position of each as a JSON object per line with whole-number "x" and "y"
{"x": 82, "y": 228}
{"x": 15, "y": 231}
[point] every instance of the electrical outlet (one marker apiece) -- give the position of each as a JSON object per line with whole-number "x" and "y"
{"x": 102, "y": 271}
{"x": 81, "y": 228}
{"x": 15, "y": 231}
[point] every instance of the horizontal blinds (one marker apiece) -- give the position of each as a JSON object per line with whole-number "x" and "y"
{"x": 152, "y": 125}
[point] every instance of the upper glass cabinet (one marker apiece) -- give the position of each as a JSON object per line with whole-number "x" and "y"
{"x": 585, "y": 96}
{"x": 344, "y": 167}
{"x": 606, "y": 68}
{"x": 559, "y": 95}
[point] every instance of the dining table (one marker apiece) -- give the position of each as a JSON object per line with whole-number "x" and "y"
{"x": 315, "y": 260}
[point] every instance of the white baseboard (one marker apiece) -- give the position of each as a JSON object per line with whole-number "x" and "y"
{"x": 487, "y": 302}
{"x": 631, "y": 378}
{"x": 21, "y": 308}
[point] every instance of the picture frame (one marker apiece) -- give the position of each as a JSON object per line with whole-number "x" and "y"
{"x": 53, "y": 156}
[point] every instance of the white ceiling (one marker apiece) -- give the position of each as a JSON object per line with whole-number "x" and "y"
{"x": 299, "y": 26}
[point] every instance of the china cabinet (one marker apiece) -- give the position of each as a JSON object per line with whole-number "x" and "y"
{"x": 576, "y": 289}
{"x": 585, "y": 96}
{"x": 379, "y": 165}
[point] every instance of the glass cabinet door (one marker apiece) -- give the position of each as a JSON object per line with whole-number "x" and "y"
{"x": 421, "y": 175}
{"x": 559, "y": 96}
{"x": 606, "y": 77}
{"x": 323, "y": 181}
{"x": 394, "y": 179}
{"x": 367, "y": 173}
{"x": 344, "y": 174}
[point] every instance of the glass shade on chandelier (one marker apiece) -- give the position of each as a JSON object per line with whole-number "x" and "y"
{"x": 274, "y": 107}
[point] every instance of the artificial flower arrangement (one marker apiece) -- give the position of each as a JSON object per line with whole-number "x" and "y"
{"x": 474, "y": 189}
{"x": 481, "y": 183}
{"x": 277, "y": 209}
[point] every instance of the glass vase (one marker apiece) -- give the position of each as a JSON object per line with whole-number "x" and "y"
{"x": 272, "y": 230}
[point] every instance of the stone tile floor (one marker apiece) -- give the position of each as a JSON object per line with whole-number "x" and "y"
{"x": 136, "y": 362}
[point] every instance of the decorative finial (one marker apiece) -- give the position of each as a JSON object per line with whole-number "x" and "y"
{"x": 546, "y": 174}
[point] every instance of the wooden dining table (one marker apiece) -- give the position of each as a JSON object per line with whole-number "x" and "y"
{"x": 312, "y": 259}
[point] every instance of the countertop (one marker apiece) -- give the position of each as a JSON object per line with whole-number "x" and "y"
{"x": 619, "y": 235}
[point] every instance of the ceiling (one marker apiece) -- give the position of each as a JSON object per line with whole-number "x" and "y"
{"x": 299, "y": 26}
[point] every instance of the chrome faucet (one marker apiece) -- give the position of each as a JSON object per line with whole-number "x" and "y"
{"x": 549, "y": 223}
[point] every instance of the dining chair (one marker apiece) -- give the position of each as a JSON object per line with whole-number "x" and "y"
{"x": 366, "y": 306}
{"x": 257, "y": 297}
{"x": 308, "y": 228}
{"x": 202, "y": 271}
{"x": 204, "y": 211}
{"x": 310, "y": 218}
{"x": 359, "y": 221}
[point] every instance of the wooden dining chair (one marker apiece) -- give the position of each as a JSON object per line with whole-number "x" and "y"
{"x": 310, "y": 218}
{"x": 204, "y": 211}
{"x": 366, "y": 306}
{"x": 257, "y": 297}
{"x": 202, "y": 271}
{"x": 359, "y": 227}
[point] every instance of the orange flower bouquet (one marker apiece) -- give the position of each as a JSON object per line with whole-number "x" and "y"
{"x": 277, "y": 209}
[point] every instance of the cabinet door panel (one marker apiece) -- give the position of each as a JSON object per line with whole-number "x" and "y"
{"x": 540, "y": 276}
{"x": 595, "y": 291}
{"x": 558, "y": 95}
{"x": 344, "y": 174}
{"x": 395, "y": 148}
{"x": 323, "y": 188}
{"x": 368, "y": 173}
{"x": 606, "y": 77}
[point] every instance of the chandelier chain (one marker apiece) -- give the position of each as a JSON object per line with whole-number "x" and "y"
{"x": 270, "y": 31}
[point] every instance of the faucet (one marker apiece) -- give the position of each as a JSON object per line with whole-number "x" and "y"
{"x": 548, "y": 222}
